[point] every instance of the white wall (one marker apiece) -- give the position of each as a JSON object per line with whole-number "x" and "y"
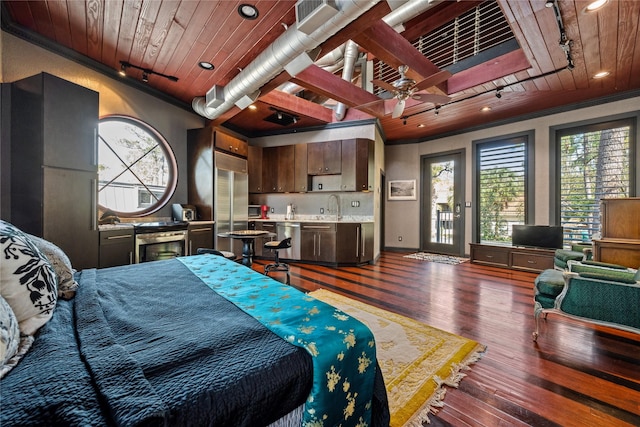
{"x": 22, "y": 59}
{"x": 403, "y": 162}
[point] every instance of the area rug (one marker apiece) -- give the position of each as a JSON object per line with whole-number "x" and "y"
{"x": 442, "y": 259}
{"x": 416, "y": 360}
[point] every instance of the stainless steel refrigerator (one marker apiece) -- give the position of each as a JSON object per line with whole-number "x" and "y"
{"x": 230, "y": 200}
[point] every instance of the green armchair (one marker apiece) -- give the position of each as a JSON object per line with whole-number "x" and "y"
{"x": 578, "y": 252}
{"x": 600, "y": 293}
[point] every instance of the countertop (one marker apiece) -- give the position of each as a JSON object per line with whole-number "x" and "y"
{"x": 130, "y": 225}
{"x": 317, "y": 218}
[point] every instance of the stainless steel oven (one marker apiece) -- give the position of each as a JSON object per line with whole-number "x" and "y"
{"x": 158, "y": 241}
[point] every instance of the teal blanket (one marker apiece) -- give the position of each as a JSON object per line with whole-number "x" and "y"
{"x": 342, "y": 348}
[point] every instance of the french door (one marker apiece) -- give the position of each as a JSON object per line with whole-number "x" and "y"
{"x": 442, "y": 210}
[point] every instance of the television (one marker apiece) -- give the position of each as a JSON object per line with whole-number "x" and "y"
{"x": 537, "y": 236}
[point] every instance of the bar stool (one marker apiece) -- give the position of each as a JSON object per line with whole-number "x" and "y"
{"x": 276, "y": 245}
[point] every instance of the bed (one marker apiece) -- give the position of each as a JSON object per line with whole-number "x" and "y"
{"x": 174, "y": 343}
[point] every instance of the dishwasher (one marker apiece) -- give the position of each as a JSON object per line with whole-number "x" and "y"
{"x": 289, "y": 229}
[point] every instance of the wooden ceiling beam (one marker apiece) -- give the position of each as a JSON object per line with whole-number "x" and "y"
{"x": 389, "y": 46}
{"x": 326, "y": 84}
{"x": 356, "y": 27}
{"x": 497, "y": 68}
{"x": 298, "y": 106}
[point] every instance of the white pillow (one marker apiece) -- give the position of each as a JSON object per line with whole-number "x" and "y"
{"x": 27, "y": 280}
{"x": 60, "y": 262}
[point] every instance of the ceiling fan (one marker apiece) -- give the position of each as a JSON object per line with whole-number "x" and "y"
{"x": 406, "y": 88}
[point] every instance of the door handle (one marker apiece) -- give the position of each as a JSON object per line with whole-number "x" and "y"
{"x": 457, "y": 210}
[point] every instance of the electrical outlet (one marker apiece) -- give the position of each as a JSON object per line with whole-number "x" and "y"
{"x": 399, "y": 238}
{"x": 321, "y": 211}
{"x": 273, "y": 210}
{"x": 355, "y": 204}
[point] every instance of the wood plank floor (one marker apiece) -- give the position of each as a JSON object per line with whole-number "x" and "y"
{"x": 577, "y": 374}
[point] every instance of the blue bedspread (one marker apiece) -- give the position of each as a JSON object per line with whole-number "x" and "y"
{"x": 150, "y": 344}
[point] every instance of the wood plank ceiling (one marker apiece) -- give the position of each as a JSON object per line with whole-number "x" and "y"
{"x": 171, "y": 37}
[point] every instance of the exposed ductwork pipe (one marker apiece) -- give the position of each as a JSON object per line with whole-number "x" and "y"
{"x": 408, "y": 11}
{"x": 350, "y": 56}
{"x": 281, "y": 52}
{"x": 394, "y": 19}
{"x": 331, "y": 62}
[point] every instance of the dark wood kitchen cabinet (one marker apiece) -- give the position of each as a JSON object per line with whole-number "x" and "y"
{"x": 116, "y": 247}
{"x": 300, "y": 175}
{"x": 254, "y": 165}
{"x": 357, "y": 165}
{"x": 325, "y": 158}
{"x": 230, "y": 144}
{"x": 199, "y": 235}
{"x": 278, "y": 169}
{"x": 318, "y": 242}
{"x": 54, "y": 175}
{"x": 354, "y": 243}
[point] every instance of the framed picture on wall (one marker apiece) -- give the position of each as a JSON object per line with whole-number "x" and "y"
{"x": 402, "y": 189}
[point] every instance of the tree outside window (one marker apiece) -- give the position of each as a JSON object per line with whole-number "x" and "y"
{"x": 594, "y": 164}
{"x": 501, "y": 188}
{"x": 137, "y": 169}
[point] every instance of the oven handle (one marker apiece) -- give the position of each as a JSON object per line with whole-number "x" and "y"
{"x": 165, "y": 237}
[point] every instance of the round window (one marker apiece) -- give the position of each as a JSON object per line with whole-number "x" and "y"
{"x": 137, "y": 169}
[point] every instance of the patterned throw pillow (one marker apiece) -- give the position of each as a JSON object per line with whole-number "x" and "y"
{"x": 9, "y": 332}
{"x": 27, "y": 280}
{"x": 60, "y": 262}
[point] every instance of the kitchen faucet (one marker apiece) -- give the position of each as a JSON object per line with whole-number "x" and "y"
{"x": 337, "y": 199}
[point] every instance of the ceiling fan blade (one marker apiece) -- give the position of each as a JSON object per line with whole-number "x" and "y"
{"x": 384, "y": 85}
{"x": 431, "y": 97}
{"x": 398, "y": 109}
{"x": 433, "y": 80}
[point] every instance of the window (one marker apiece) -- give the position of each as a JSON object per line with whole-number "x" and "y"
{"x": 593, "y": 162}
{"x": 502, "y": 187}
{"x": 137, "y": 169}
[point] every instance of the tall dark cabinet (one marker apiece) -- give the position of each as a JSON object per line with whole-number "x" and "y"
{"x": 54, "y": 174}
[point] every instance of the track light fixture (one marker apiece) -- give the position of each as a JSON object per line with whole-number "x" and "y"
{"x": 282, "y": 117}
{"x": 437, "y": 110}
{"x": 146, "y": 72}
{"x": 499, "y": 90}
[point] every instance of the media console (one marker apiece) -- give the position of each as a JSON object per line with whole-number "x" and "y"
{"x": 514, "y": 257}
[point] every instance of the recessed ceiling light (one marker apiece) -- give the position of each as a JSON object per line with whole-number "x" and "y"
{"x": 253, "y": 107}
{"x": 601, "y": 75}
{"x": 206, "y": 65}
{"x": 248, "y": 11}
{"x": 485, "y": 109}
{"x": 595, "y": 5}
{"x": 421, "y": 125}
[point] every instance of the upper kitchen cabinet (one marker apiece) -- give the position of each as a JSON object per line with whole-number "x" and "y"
{"x": 254, "y": 164}
{"x": 230, "y": 144}
{"x": 357, "y": 160}
{"x": 301, "y": 177}
{"x": 325, "y": 158}
{"x": 277, "y": 170}
{"x": 54, "y": 164}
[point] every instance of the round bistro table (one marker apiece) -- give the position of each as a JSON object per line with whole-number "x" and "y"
{"x": 247, "y": 237}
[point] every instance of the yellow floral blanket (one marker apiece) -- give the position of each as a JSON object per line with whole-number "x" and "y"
{"x": 416, "y": 359}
